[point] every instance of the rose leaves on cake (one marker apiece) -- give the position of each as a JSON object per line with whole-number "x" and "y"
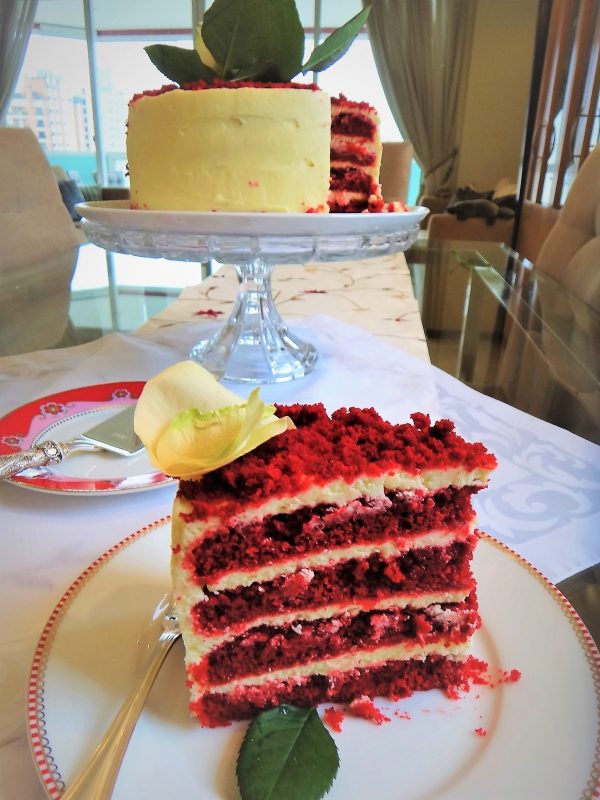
{"x": 336, "y": 44}
{"x": 178, "y": 64}
{"x": 190, "y": 424}
{"x": 287, "y": 754}
{"x": 260, "y": 41}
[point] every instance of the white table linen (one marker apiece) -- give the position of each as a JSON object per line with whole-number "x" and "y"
{"x": 544, "y": 498}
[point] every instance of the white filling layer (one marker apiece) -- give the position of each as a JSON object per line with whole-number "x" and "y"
{"x": 349, "y": 661}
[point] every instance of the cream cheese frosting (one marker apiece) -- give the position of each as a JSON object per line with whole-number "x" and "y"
{"x": 230, "y": 149}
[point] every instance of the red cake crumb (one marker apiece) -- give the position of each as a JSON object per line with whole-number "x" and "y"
{"x": 510, "y": 676}
{"x": 219, "y": 83}
{"x": 333, "y": 718}
{"x": 452, "y": 692}
{"x": 480, "y": 731}
{"x": 402, "y": 715}
{"x": 377, "y": 205}
{"x": 364, "y": 708}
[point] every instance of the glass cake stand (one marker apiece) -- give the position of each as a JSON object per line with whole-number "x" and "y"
{"x": 255, "y": 345}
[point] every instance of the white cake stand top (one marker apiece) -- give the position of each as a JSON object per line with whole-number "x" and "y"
{"x": 255, "y": 344}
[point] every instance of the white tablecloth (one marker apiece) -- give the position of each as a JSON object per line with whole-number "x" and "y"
{"x": 544, "y": 499}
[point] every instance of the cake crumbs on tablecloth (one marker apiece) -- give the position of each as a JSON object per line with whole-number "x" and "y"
{"x": 333, "y": 718}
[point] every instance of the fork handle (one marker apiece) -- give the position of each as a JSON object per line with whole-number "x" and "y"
{"x": 97, "y": 779}
{"x": 39, "y": 456}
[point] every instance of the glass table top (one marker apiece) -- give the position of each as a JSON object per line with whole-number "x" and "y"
{"x": 496, "y": 323}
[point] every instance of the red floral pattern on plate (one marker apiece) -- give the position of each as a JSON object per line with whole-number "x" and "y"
{"x": 25, "y": 426}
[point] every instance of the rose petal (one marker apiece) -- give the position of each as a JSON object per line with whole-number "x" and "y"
{"x": 184, "y": 385}
{"x": 191, "y": 425}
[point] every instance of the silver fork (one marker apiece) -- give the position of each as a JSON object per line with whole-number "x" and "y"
{"x": 97, "y": 779}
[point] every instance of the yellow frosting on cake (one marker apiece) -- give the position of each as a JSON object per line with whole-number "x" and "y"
{"x": 226, "y": 149}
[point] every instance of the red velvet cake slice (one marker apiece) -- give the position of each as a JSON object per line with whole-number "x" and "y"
{"x": 331, "y": 562}
{"x": 355, "y": 158}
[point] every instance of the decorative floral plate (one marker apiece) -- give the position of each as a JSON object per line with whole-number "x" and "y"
{"x": 62, "y": 416}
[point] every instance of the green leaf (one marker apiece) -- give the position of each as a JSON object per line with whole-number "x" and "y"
{"x": 287, "y": 754}
{"x": 336, "y": 44}
{"x": 253, "y": 38}
{"x": 178, "y": 64}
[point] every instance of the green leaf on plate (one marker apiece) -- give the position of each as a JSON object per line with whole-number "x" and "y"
{"x": 336, "y": 44}
{"x": 255, "y": 39}
{"x": 287, "y": 754}
{"x": 178, "y": 64}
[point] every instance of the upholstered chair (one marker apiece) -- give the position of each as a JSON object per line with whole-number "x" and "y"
{"x": 38, "y": 247}
{"x": 34, "y": 221}
{"x": 396, "y": 159}
{"x": 571, "y": 252}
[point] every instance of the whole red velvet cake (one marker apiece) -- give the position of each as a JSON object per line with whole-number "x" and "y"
{"x": 330, "y": 563}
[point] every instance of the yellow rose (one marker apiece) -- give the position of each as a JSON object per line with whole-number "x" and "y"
{"x": 205, "y": 55}
{"x": 190, "y": 424}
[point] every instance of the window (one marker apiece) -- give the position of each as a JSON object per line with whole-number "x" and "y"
{"x": 54, "y": 82}
{"x": 567, "y": 117}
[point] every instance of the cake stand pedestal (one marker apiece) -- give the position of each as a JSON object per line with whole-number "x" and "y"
{"x": 255, "y": 344}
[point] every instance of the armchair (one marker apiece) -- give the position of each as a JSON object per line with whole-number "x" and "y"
{"x": 34, "y": 223}
{"x": 442, "y": 224}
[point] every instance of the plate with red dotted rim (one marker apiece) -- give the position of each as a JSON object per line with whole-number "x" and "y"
{"x": 60, "y": 417}
{"x": 533, "y": 738}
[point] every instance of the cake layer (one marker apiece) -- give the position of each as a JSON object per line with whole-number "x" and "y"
{"x": 350, "y": 179}
{"x": 330, "y": 562}
{"x": 386, "y": 549}
{"x": 199, "y": 646}
{"x": 366, "y": 579}
{"x": 354, "y": 452}
{"x": 350, "y": 152}
{"x": 231, "y": 148}
{"x": 255, "y": 544}
{"x": 266, "y": 647}
{"x": 394, "y": 680}
{"x": 355, "y": 156}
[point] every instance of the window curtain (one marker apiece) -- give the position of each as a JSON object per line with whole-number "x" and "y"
{"x": 16, "y": 22}
{"x": 422, "y": 49}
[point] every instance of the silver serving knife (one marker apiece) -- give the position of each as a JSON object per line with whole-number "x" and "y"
{"x": 116, "y": 435}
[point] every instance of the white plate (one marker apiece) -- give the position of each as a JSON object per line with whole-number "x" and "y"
{"x": 64, "y": 415}
{"x": 117, "y": 214}
{"x": 541, "y": 733}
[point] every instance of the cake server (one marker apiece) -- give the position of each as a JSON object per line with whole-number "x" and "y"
{"x": 116, "y": 435}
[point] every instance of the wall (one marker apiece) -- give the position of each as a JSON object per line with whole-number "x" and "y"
{"x": 497, "y": 92}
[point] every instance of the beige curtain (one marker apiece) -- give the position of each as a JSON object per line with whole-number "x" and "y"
{"x": 422, "y": 49}
{"x": 16, "y": 22}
